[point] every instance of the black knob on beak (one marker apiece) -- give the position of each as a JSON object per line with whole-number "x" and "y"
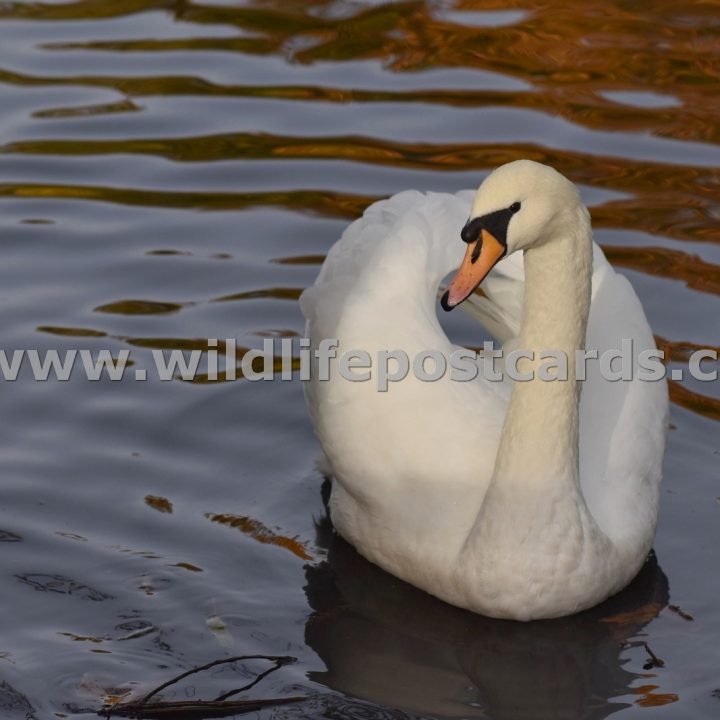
{"x": 471, "y": 231}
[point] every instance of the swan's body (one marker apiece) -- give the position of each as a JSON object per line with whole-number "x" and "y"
{"x": 512, "y": 499}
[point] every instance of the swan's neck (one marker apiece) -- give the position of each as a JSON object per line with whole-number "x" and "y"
{"x": 534, "y": 533}
{"x": 539, "y": 444}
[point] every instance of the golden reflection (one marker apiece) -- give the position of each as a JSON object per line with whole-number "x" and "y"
{"x": 670, "y": 200}
{"x": 173, "y": 343}
{"x": 257, "y": 531}
{"x": 169, "y": 252}
{"x": 278, "y": 366}
{"x": 278, "y": 293}
{"x": 279, "y": 333}
{"x": 580, "y": 46}
{"x": 254, "y": 46}
{"x": 704, "y": 405}
{"x": 122, "y": 106}
{"x": 668, "y": 264}
{"x": 70, "y": 331}
{"x": 680, "y": 351}
{"x": 139, "y": 307}
{"x": 84, "y": 638}
{"x": 300, "y": 260}
{"x": 189, "y": 566}
{"x": 80, "y": 10}
{"x": 161, "y": 504}
{"x": 325, "y": 203}
{"x": 653, "y": 699}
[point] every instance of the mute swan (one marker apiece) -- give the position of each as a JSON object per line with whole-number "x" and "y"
{"x": 512, "y": 499}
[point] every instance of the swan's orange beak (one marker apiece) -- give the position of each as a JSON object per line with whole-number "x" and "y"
{"x": 480, "y": 258}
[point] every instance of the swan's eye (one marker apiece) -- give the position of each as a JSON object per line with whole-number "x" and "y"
{"x": 515, "y": 207}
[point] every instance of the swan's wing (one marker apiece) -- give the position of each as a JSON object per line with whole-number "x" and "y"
{"x": 407, "y": 447}
{"x": 622, "y": 423}
{"x": 326, "y": 300}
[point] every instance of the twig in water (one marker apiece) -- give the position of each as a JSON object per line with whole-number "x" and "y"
{"x": 220, "y": 707}
{"x": 278, "y": 664}
{"x": 677, "y": 609}
{"x": 193, "y": 709}
{"x": 654, "y": 661}
{"x": 280, "y": 660}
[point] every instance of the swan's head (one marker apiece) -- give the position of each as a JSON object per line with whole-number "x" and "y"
{"x": 519, "y": 205}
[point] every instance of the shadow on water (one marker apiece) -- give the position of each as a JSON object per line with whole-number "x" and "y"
{"x": 388, "y": 643}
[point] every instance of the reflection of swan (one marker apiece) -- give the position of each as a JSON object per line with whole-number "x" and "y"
{"x": 384, "y": 641}
{"x": 484, "y": 493}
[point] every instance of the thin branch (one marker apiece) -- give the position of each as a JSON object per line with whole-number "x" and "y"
{"x": 684, "y": 615}
{"x": 280, "y": 660}
{"x": 262, "y": 675}
{"x": 655, "y": 661}
{"x": 194, "y": 709}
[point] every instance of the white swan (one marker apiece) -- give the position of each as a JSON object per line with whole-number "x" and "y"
{"x": 512, "y": 499}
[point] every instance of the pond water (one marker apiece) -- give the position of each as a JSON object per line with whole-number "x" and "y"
{"x": 173, "y": 171}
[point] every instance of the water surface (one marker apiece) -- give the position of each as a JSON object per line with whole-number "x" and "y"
{"x": 157, "y": 157}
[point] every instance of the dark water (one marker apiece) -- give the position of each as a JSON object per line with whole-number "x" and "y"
{"x": 160, "y": 156}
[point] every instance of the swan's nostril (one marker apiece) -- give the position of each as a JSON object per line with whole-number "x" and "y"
{"x": 476, "y": 251}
